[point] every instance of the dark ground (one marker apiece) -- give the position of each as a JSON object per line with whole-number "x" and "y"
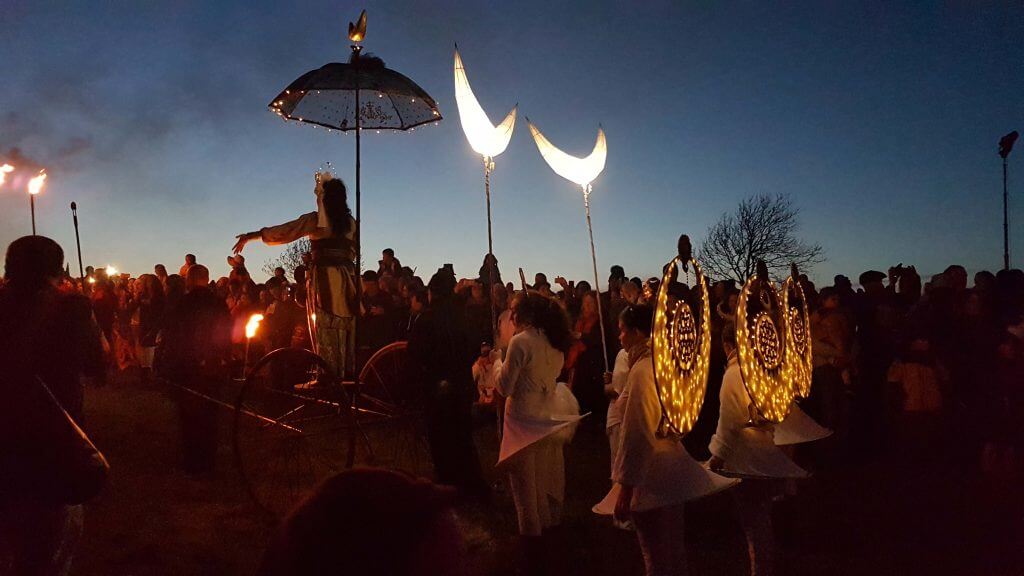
{"x": 152, "y": 519}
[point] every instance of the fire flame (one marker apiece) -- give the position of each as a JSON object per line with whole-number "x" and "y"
{"x": 111, "y": 271}
{"x": 4, "y": 171}
{"x": 35, "y": 185}
{"x": 253, "y": 325}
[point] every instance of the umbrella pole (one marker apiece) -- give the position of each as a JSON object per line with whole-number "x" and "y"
{"x": 1006, "y": 223}
{"x": 359, "y": 227}
{"x": 488, "y": 167}
{"x": 597, "y": 285}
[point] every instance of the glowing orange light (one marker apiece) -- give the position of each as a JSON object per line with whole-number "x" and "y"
{"x": 35, "y": 185}
{"x": 761, "y": 349}
{"x": 253, "y": 325}
{"x": 4, "y": 171}
{"x": 681, "y": 350}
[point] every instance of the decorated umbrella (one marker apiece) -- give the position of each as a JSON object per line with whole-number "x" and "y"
{"x": 361, "y": 94}
{"x": 488, "y": 141}
{"x": 582, "y": 171}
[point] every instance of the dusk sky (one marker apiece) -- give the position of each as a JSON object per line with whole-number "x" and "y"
{"x": 880, "y": 120}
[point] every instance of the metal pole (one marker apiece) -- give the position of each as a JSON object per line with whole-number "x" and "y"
{"x": 1006, "y": 222}
{"x": 359, "y": 227}
{"x": 597, "y": 285}
{"x": 78, "y": 244}
{"x": 32, "y": 204}
{"x": 488, "y": 166}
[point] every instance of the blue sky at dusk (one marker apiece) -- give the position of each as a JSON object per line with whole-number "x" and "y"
{"x": 879, "y": 119}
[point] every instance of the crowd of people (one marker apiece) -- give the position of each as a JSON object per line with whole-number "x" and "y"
{"x": 895, "y": 360}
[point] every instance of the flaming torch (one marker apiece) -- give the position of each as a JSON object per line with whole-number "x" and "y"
{"x": 4, "y": 171}
{"x": 35, "y": 186}
{"x": 251, "y": 328}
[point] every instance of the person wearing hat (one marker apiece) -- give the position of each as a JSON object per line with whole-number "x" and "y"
{"x": 876, "y": 315}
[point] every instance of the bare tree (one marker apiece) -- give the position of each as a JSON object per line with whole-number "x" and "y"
{"x": 763, "y": 227}
{"x": 289, "y": 259}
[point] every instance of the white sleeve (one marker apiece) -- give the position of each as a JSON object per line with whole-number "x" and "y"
{"x": 289, "y": 231}
{"x": 639, "y": 425}
{"x": 508, "y": 372}
{"x": 620, "y": 373}
{"x": 733, "y": 415}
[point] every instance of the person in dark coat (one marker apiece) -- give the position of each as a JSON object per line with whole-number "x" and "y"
{"x": 442, "y": 345}
{"x": 46, "y": 336}
{"x": 45, "y": 332}
{"x": 197, "y": 341}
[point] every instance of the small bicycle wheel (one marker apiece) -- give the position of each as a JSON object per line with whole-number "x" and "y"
{"x": 389, "y": 407}
{"x": 287, "y": 436}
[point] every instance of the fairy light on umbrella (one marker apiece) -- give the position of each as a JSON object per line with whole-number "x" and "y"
{"x": 35, "y": 186}
{"x": 582, "y": 171}
{"x": 487, "y": 140}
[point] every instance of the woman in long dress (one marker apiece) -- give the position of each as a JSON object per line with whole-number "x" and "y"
{"x": 744, "y": 445}
{"x": 653, "y": 473}
{"x": 531, "y": 449}
{"x": 331, "y": 303}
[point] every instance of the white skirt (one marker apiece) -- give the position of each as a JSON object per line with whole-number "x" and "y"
{"x": 674, "y": 477}
{"x": 799, "y": 428}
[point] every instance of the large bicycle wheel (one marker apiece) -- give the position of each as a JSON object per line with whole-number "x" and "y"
{"x": 389, "y": 406}
{"x": 288, "y": 438}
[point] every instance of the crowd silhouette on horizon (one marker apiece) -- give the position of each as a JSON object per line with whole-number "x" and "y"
{"x": 896, "y": 360}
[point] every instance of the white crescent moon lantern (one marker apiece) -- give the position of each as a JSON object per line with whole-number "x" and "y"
{"x": 486, "y": 139}
{"x": 582, "y": 171}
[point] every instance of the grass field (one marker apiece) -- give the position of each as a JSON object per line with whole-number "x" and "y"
{"x": 152, "y": 519}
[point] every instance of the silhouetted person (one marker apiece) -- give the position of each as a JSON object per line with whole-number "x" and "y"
{"x": 190, "y": 261}
{"x": 489, "y": 272}
{"x": 388, "y": 264}
{"x": 45, "y": 332}
{"x": 197, "y": 341}
{"x": 443, "y": 347}
{"x": 49, "y": 336}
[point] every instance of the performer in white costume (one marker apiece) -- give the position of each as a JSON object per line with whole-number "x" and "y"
{"x": 653, "y": 473}
{"x": 744, "y": 446}
{"x": 539, "y": 412}
{"x": 615, "y": 388}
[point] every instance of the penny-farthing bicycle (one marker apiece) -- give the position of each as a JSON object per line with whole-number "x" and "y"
{"x": 287, "y": 438}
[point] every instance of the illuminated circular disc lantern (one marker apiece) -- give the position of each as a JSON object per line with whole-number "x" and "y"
{"x": 681, "y": 348}
{"x": 761, "y": 344}
{"x": 798, "y": 337}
